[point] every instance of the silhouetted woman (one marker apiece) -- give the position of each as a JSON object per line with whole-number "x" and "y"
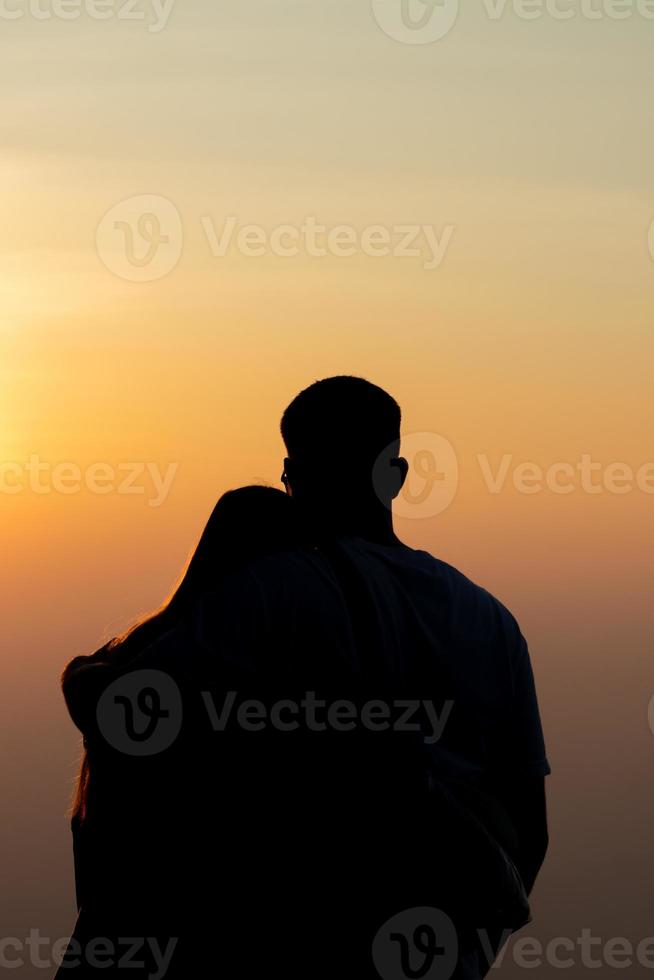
{"x": 246, "y": 524}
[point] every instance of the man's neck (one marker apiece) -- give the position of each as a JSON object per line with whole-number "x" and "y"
{"x": 375, "y": 527}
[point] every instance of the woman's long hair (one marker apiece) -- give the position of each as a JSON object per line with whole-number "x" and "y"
{"x": 245, "y": 524}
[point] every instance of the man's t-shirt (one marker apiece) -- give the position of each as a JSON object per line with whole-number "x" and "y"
{"x": 343, "y": 813}
{"x": 427, "y": 630}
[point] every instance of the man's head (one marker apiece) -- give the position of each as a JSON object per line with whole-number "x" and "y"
{"x": 342, "y": 436}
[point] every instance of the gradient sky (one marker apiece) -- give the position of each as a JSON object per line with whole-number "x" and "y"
{"x": 533, "y": 141}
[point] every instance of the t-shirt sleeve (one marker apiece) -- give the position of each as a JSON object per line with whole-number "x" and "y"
{"x": 524, "y": 740}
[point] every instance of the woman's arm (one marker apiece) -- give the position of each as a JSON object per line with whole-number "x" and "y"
{"x": 82, "y": 682}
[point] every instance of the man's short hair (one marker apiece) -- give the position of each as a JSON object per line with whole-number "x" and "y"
{"x": 345, "y": 415}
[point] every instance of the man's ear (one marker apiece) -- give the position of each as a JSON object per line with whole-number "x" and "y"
{"x": 286, "y": 477}
{"x": 400, "y": 473}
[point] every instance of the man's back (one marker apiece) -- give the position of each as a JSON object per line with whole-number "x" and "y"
{"x": 370, "y": 659}
{"x": 391, "y": 616}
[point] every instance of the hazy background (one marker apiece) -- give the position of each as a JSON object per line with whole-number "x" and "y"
{"x": 532, "y": 140}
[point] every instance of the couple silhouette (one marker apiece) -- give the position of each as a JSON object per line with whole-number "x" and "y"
{"x": 322, "y": 756}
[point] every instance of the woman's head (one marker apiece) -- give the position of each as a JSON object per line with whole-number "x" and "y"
{"x": 245, "y": 524}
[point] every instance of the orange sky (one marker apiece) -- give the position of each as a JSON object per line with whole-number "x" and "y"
{"x": 530, "y": 339}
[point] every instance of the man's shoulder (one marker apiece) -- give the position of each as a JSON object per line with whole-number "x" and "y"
{"x": 422, "y": 564}
{"x": 479, "y": 597}
{"x": 467, "y": 587}
{"x": 306, "y": 577}
{"x": 437, "y": 578}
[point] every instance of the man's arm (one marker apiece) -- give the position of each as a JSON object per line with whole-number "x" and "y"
{"x": 525, "y": 802}
{"x": 524, "y": 764}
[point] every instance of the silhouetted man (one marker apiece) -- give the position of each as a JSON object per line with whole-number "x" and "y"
{"x": 423, "y": 622}
{"x": 369, "y": 626}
